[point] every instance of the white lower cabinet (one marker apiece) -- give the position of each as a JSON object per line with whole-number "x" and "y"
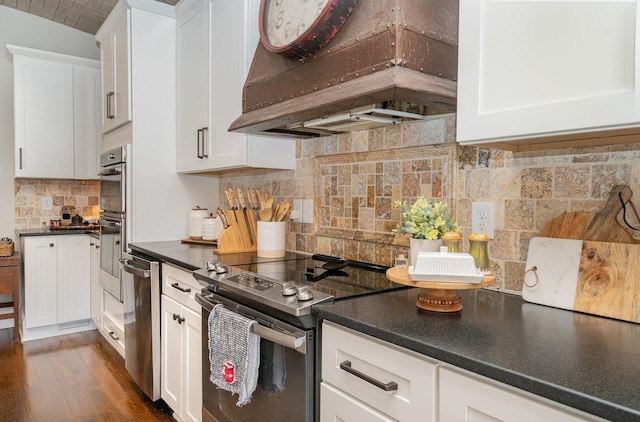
{"x": 427, "y": 390}
{"x": 56, "y": 285}
{"x": 113, "y": 321}
{"x": 350, "y": 398}
{"x": 181, "y": 354}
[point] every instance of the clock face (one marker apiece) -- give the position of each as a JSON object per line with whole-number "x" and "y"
{"x": 298, "y": 28}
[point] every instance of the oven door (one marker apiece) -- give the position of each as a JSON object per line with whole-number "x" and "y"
{"x": 112, "y": 188}
{"x": 286, "y": 352}
{"x": 112, "y": 244}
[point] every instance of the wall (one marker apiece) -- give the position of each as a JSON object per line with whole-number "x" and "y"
{"x": 27, "y": 30}
{"x": 354, "y": 179}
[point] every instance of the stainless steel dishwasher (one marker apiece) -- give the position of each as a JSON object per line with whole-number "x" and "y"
{"x": 141, "y": 299}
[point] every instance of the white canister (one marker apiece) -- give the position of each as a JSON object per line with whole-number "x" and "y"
{"x": 196, "y": 217}
{"x": 271, "y": 239}
{"x": 211, "y": 228}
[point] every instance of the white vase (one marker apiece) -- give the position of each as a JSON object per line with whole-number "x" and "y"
{"x": 423, "y": 245}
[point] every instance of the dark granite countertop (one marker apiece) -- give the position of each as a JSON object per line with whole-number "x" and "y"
{"x": 586, "y": 362}
{"x": 46, "y": 231}
{"x": 191, "y": 256}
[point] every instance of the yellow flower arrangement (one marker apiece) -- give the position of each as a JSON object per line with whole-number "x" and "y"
{"x": 425, "y": 219}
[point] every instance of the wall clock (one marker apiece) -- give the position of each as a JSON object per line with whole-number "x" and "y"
{"x": 299, "y": 28}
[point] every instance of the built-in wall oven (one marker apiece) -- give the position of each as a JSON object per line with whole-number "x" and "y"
{"x": 113, "y": 233}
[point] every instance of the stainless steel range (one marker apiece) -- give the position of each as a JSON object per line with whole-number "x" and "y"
{"x": 279, "y": 295}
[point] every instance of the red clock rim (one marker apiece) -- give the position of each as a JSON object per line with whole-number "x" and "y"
{"x": 306, "y": 35}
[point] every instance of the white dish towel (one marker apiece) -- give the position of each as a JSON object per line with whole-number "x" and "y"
{"x": 234, "y": 353}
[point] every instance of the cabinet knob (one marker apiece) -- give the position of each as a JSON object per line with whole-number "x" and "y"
{"x": 51, "y": 245}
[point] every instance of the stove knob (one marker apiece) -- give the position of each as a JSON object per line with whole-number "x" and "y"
{"x": 289, "y": 288}
{"x": 304, "y": 293}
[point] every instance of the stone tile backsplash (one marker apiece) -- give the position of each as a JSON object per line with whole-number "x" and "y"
{"x": 355, "y": 178}
{"x": 84, "y": 195}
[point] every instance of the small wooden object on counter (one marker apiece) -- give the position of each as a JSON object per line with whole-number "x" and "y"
{"x": 437, "y": 296}
{"x": 235, "y": 237}
{"x": 9, "y": 284}
{"x": 602, "y": 226}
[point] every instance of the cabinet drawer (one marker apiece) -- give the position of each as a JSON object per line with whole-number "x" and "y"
{"x": 180, "y": 286}
{"x": 113, "y": 332}
{"x": 7, "y": 276}
{"x": 473, "y": 398}
{"x": 338, "y": 406}
{"x": 414, "y": 374}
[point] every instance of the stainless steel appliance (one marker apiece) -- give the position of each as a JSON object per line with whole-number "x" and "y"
{"x": 141, "y": 294}
{"x": 113, "y": 233}
{"x": 279, "y": 295}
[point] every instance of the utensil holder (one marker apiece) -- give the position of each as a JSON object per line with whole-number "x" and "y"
{"x": 271, "y": 239}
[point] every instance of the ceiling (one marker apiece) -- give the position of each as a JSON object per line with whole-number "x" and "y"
{"x": 83, "y": 15}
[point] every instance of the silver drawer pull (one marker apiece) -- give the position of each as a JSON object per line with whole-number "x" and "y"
{"x": 113, "y": 336}
{"x": 390, "y": 386}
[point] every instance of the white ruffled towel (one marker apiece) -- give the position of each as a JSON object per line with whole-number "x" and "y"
{"x": 234, "y": 353}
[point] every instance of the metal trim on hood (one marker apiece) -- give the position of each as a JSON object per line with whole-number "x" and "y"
{"x": 395, "y": 58}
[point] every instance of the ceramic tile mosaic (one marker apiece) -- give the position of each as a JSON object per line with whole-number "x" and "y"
{"x": 354, "y": 179}
{"x": 84, "y": 195}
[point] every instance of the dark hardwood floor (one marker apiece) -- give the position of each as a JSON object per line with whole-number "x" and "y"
{"x": 76, "y": 377}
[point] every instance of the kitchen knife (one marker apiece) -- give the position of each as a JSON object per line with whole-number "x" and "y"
{"x": 223, "y": 217}
{"x": 243, "y": 206}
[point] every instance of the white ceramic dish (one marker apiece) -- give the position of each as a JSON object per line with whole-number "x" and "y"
{"x": 445, "y": 267}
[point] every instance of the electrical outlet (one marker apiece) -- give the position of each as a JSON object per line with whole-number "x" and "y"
{"x": 482, "y": 218}
{"x": 47, "y": 203}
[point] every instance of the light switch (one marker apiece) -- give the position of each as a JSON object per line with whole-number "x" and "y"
{"x": 307, "y": 211}
{"x": 47, "y": 203}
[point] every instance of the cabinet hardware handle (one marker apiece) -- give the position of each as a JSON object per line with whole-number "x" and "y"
{"x": 51, "y": 245}
{"x": 198, "y": 137}
{"x": 390, "y": 386}
{"x": 113, "y": 336}
{"x": 110, "y": 114}
{"x": 178, "y": 318}
{"x": 20, "y": 151}
{"x": 204, "y": 134}
{"x": 182, "y": 289}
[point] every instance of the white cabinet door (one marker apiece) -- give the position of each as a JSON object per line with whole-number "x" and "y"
{"x": 74, "y": 282}
{"x": 192, "y": 393}
{"x": 97, "y": 304}
{"x": 116, "y": 87}
{"x": 43, "y": 118}
{"x": 171, "y": 355}
{"x": 231, "y": 28}
{"x": 471, "y": 398}
{"x": 532, "y": 69}
{"x": 40, "y": 280}
{"x": 193, "y": 35}
{"x": 86, "y": 118}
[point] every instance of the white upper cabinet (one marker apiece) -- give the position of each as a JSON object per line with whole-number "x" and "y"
{"x": 114, "y": 56}
{"x": 55, "y": 108}
{"x": 216, "y": 42}
{"x": 533, "y": 74}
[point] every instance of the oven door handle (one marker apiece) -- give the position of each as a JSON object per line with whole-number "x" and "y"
{"x": 111, "y": 171}
{"x": 110, "y": 224}
{"x": 287, "y": 340}
{"x": 135, "y": 270}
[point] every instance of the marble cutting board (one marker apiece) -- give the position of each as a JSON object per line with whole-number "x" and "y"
{"x": 600, "y": 278}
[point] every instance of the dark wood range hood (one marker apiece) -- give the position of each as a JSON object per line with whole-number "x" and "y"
{"x": 392, "y": 61}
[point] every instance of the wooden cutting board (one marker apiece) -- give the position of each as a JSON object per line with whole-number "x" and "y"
{"x": 602, "y": 226}
{"x": 600, "y": 278}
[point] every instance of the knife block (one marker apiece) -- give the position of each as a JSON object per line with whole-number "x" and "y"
{"x": 241, "y": 235}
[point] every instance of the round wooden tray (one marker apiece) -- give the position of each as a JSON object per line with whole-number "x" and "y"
{"x": 437, "y": 296}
